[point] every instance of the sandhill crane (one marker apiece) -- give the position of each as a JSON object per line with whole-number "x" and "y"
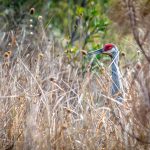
{"x": 112, "y": 50}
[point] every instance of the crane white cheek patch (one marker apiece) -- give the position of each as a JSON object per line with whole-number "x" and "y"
{"x": 110, "y": 51}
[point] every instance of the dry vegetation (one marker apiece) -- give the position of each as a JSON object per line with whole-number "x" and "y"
{"x": 45, "y": 103}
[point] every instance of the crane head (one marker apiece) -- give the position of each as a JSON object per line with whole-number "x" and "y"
{"x": 109, "y": 49}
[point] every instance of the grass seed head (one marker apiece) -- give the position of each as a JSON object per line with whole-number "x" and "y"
{"x": 31, "y": 33}
{"x": 138, "y": 66}
{"x": 123, "y": 54}
{"x": 6, "y": 55}
{"x": 31, "y": 26}
{"x": 40, "y": 55}
{"x": 32, "y": 11}
{"x": 9, "y": 52}
{"x": 84, "y": 52}
{"x": 40, "y": 18}
{"x": 31, "y": 20}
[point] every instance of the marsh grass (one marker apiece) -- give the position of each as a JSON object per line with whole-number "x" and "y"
{"x": 45, "y": 103}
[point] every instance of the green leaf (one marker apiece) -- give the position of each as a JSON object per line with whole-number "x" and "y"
{"x": 80, "y": 10}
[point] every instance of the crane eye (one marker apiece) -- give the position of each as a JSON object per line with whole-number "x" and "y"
{"x": 110, "y": 47}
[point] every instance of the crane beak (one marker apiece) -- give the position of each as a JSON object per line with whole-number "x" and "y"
{"x": 99, "y": 51}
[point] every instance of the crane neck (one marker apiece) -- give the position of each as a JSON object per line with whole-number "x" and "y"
{"x": 116, "y": 76}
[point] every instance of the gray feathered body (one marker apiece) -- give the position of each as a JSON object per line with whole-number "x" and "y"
{"x": 116, "y": 75}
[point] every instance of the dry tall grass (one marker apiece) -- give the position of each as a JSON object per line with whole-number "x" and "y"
{"x": 46, "y": 104}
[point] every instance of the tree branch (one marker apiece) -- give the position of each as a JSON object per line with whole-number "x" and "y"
{"x": 134, "y": 25}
